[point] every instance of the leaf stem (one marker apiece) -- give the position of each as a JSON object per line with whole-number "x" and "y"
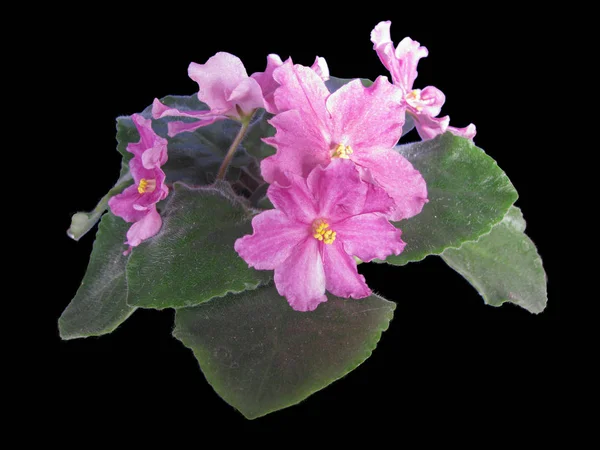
{"x": 234, "y": 146}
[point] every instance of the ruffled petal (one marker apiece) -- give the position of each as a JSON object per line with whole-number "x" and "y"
{"x": 341, "y": 274}
{"x": 303, "y": 90}
{"x": 294, "y": 199}
{"x": 468, "y": 132}
{"x": 301, "y": 278}
{"x": 338, "y": 190}
{"x": 217, "y": 79}
{"x": 145, "y": 228}
{"x": 275, "y": 237}
{"x": 301, "y": 145}
{"x": 429, "y": 127}
{"x": 122, "y": 204}
{"x": 267, "y": 82}
{"x": 174, "y": 128}
{"x": 247, "y": 96}
{"x": 401, "y": 181}
{"x": 408, "y": 53}
{"x": 367, "y": 118}
{"x": 321, "y": 68}
{"x": 369, "y": 236}
{"x": 384, "y": 47}
{"x": 428, "y": 101}
{"x": 144, "y": 128}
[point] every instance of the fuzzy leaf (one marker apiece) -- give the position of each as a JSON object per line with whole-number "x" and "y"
{"x": 261, "y": 356}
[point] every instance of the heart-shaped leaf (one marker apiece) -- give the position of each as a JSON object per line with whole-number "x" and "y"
{"x": 504, "y": 265}
{"x": 100, "y": 303}
{"x": 192, "y": 258}
{"x": 468, "y": 195}
{"x": 261, "y": 356}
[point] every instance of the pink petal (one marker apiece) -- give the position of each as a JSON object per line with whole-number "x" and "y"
{"x": 367, "y": 118}
{"x": 160, "y": 110}
{"x": 303, "y": 90}
{"x": 275, "y": 237}
{"x": 468, "y": 132}
{"x": 267, "y": 82}
{"x": 122, "y": 204}
{"x": 383, "y": 45}
{"x": 341, "y": 274}
{"x": 408, "y": 54}
{"x": 369, "y": 236}
{"x": 338, "y": 189}
{"x": 217, "y": 79}
{"x": 247, "y": 96}
{"x": 430, "y": 102}
{"x": 174, "y": 128}
{"x": 145, "y": 228}
{"x": 301, "y": 278}
{"x": 396, "y": 175}
{"x": 294, "y": 199}
{"x": 301, "y": 145}
{"x": 321, "y": 68}
{"x": 429, "y": 127}
{"x": 144, "y": 128}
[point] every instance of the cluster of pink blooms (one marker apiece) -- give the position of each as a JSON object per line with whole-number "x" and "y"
{"x": 336, "y": 181}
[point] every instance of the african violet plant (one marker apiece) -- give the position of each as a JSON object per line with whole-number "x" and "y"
{"x": 247, "y": 207}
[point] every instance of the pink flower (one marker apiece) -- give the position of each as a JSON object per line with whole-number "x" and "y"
{"x": 424, "y": 105}
{"x": 268, "y": 84}
{"x": 137, "y": 203}
{"x": 224, "y": 85}
{"x": 320, "y": 223}
{"x": 356, "y": 123}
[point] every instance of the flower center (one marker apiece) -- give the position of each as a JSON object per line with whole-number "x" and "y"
{"x": 413, "y": 98}
{"x": 342, "y": 151}
{"x": 321, "y": 232}
{"x": 146, "y": 186}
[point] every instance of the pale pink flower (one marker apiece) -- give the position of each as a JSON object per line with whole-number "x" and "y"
{"x": 224, "y": 85}
{"x": 137, "y": 203}
{"x": 356, "y": 123}
{"x": 423, "y": 105}
{"x": 319, "y": 224}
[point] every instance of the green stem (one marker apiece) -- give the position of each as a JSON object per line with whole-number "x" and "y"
{"x": 83, "y": 222}
{"x": 234, "y": 146}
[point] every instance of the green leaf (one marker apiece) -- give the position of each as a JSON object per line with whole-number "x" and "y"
{"x": 334, "y": 83}
{"x": 261, "y": 356}
{"x": 192, "y": 258}
{"x": 259, "y": 128}
{"x": 504, "y": 265}
{"x": 468, "y": 195}
{"x": 100, "y": 303}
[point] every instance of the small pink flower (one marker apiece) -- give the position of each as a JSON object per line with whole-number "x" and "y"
{"x": 424, "y": 105}
{"x": 318, "y": 225}
{"x": 137, "y": 203}
{"x": 224, "y": 85}
{"x": 356, "y": 123}
{"x": 268, "y": 84}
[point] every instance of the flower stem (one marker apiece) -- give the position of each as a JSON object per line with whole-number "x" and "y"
{"x": 82, "y": 222}
{"x": 234, "y": 146}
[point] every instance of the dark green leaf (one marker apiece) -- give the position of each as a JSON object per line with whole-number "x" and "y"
{"x": 468, "y": 195}
{"x": 192, "y": 258}
{"x": 100, "y": 303}
{"x": 334, "y": 83}
{"x": 261, "y": 356}
{"x": 504, "y": 265}
{"x": 259, "y": 128}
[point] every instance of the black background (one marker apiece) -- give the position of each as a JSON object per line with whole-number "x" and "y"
{"x": 447, "y": 357}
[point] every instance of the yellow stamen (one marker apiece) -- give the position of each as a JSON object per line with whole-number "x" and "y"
{"x": 321, "y": 233}
{"x": 342, "y": 151}
{"x": 413, "y": 98}
{"x": 146, "y": 186}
